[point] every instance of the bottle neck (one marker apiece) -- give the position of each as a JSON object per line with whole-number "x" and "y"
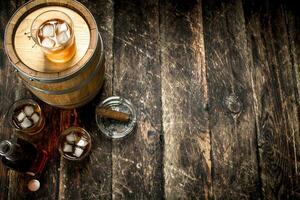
{"x": 9, "y": 150}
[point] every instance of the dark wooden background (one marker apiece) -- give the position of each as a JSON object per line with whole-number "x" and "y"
{"x": 216, "y": 85}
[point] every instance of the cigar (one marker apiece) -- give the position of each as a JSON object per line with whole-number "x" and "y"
{"x": 112, "y": 114}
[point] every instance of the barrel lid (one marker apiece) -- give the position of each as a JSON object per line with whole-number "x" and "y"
{"x": 29, "y": 59}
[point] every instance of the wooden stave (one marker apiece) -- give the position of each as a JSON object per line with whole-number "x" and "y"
{"x": 91, "y": 88}
{"x": 74, "y": 81}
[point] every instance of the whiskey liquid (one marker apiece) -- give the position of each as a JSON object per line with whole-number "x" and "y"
{"x": 57, "y": 38}
{"x": 77, "y": 137}
{"x": 35, "y": 118}
{"x": 25, "y": 158}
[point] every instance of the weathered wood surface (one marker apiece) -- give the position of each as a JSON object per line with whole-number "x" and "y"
{"x": 231, "y": 113}
{"x": 137, "y": 160}
{"x": 92, "y": 178}
{"x": 276, "y": 98}
{"x": 187, "y": 163}
{"x": 216, "y": 85}
{"x": 12, "y": 89}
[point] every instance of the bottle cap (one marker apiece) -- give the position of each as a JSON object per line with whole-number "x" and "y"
{"x": 5, "y": 148}
{"x": 33, "y": 185}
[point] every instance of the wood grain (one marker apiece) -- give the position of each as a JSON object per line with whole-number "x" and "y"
{"x": 292, "y": 20}
{"x": 137, "y": 159}
{"x": 11, "y": 89}
{"x": 216, "y": 85}
{"x": 30, "y": 7}
{"x": 6, "y": 94}
{"x": 39, "y": 75}
{"x": 231, "y": 115}
{"x": 187, "y": 163}
{"x": 24, "y": 45}
{"x": 276, "y": 107}
{"x": 92, "y": 178}
{"x": 46, "y": 140}
{"x": 17, "y": 183}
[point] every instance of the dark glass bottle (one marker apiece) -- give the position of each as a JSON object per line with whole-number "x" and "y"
{"x": 23, "y": 156}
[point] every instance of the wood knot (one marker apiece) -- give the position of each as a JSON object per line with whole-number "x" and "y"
{"x": 139, "y": 165}
{"x": 152, "y": 134}
{"x": 233, "y": 104}
{"x": 152, "y": 141}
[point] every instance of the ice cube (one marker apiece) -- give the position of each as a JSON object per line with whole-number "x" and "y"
{"x": 48, "y": 43}
{"x": 67, "y": 148}
{"x": 62, "y": 37}
{"x": 48, "y": 30}
{"x": 71, "y": 138}
{"x": 26, "y": 123}
{"x": 21, "y": 116}
{"x": 82, "y": 142}
{"x": 61, "y": 27}
{"x": 78, "y": 151}
{"x": 35, "y": 118}
{"x": 28, "y": 110}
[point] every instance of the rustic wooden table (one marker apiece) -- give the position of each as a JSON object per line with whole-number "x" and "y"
{"x": 216, "y": 85}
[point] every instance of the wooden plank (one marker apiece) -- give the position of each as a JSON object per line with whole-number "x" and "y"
{"x": 46, "y": 140}
{"x": 137, "y": 159}
{"x": 13, "y": 184}
{"x": 69, "y": 178}
{"x": 92, "y": 178}
{"x": 292, "y": 20}
{"x": 231, "y": 115}
{"x": 5, "y": 95}
{"x": 187, "y": 163}
{"x": 16, "y": 183}
{"x": 276, "y": 99}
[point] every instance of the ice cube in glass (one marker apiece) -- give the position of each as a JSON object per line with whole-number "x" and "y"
{"x": 67, "y": 148}
{"x": 47, "y": 30}
{"x": 28, "y": 110}
{"x": 82, "y": 142}
{"x": 78, "y": 152}
{"x": 62, "y": 37}
{"x": 21, "y": 116}
{"x": 48, "y": 43}
{"x": 63, "y": 27}
{"x": 71, "y": 138}
{"x": 26, "y": 123}
{"x": 35, "y": 118}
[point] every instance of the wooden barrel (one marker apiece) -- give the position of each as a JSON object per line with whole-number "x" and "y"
{"x": 65, "y": 85}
